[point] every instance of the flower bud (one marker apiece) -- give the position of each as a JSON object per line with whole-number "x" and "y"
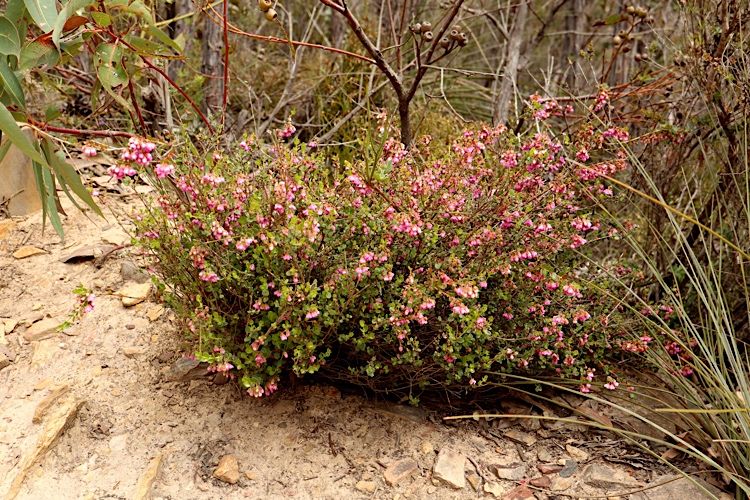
{"x": 416, "y": 28}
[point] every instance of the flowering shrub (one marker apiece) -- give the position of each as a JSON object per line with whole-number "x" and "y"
{"x": 431, "y": 267}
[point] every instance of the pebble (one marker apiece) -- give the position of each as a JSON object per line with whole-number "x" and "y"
{"x": 561, "y": 483}
{"x": 521, "y": 437}
{"x": 27, "y": 251}
{"x": 365, "y": 486}
{"x": 474, "y": 480}
{"x": 41, "y": 330}
{"x": 134, "y": 293}
{"x": 603, "y": 476}
{"x": 228, "y": 469}
{"x": 520, "y": 492}
{"x": 147, "y": 479}
{"x": 427, "y": 448}
{"x": 570, "y": 468}
{"x": 541, "y": 482}
{"x": 399, "y": 470}
{"x": 515, "y": 473}
{"x": 576, "y": 453}
{"x": 549, "y": 468}
{"x": 132, "y": 352}
{"x": 544, "y": 455}
{"x": 130, "y": 272}
{"x": 495, "y": 489}
{"x": 449, "y": 468}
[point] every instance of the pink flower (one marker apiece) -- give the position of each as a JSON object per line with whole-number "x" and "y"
{"x": 312, "y": 314}
{"x": 208, "y": 276}
{"x": 460, "y": 309}
{"x": 164, "y": 170}
{"x": 89, "y": 151}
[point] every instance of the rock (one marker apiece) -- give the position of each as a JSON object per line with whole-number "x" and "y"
{"x": 185, "y": 369}
{"x": 549, "y": 468}
{"x": 220, "y": 378}
{"x": 130, "y": 272}
{"x": 45, "y": 404}
{"x": 155, "y": 312}
{"x": 541, "y": 482}
{"x": 228, "y": 469}
{"x": 543, "y": 455}
{"x": 118, "y": 443}
{"x": 399, "y": 470}
{"x": 570, "y": 468}
{"x": 474, "y": 480}
{"x": 115, "y": 236}
{"x": 146, "y": 482}
{"x": 561, "y": 483}
{"x": 134, "y": 293}
{"x": 678, "y": 487}
{"x": 576, "y": 453}
{"x": 520, "y": 492}
{"x": 18, "y": 186}
{"x": 82, "y": 254}
{"x": 365, "y": 486}
{"x": 44, "y": 351}
{"x": 495, "y": 489}
{"x": 251, "y": 475}
{"x": 513, "y": 473}
{"x": 133, "y": 352}
{"x": 43, "y": 329}
{"x": 10, "y": 325}
{"x": 520, "y": 437}
{"x": 449, "y": 468}
{"x": 603, "y": 476}
{"x": 27, "y": 251}
{"x": 56, "y": 423}
{"x": 4, "y": 360}
{"x": 427, "y": 448}
{"x": 7, "y": 226}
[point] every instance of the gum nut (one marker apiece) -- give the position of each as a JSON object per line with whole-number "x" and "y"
{"x": 271, "y": 14}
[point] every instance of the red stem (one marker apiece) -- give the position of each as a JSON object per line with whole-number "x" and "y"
{"x": 75, "y": 131}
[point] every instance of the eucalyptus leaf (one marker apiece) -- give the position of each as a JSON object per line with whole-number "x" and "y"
{"x": 68, "y": 175}
{"x": 10, "y": 83}
{"x": 69, "y": 10}
{"x": 15, "y": 10}
{"x": 17, "y": 136}
{"x": 36, "y": 54}
{"x": 43, "y": 13}
{"x": 10, "y": 40}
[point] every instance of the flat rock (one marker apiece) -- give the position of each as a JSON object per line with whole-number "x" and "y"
{"x": 7, "y": 226}
{"x": 366, "y": 486}
{"x": 449, "y": 468}
{"x": 603, "y": 476}
{"x": 4, "y": 360}
{"x": 134, "y": 293}
{"x": 521, "y": 437}
{"x": 474, "y": 480}
{"x": 155, "y": 312}
{"x": 543, "y": 482}
{"x": 148, "y": 478}
{"x": 520, "y": 492}
{"x": 49, "y": 400}
{"x": 678, "y": 487}
{"x": 10, "y": 325}
{"x": 184, "y": 369}
{"x": 562, "y": 483}
{"x": 133, "y": 351}
{"x": 41, "y": 330}
{"x": 549, "y": 468}
{"x": 130, "y": 272}
{"x": 512, "y": 473}
{"x": 27, "y": 251}
{"x": 495, "y": 489}
{"x": 58, "y": 420}
{"x": 228, "y": 469}
{"x": 570, "y": 468}
{"x": 399, "y": 470}
{"x": 576, "y": 453}
{"x": 115, "y": 236}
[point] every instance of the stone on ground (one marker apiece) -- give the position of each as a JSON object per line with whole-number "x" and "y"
{"x": 603, "y": 476}
{"x": 399, "y": 470}
{"x": 41, "y": 330}
{"x": 27, "y": 251}
{"x": 676, "y": 487}
{"x": 134, "y": 293}
{"x": 449, "y": 468}
{"x": 49, "y": 400}
{"x": 228, "y": 469}
{"x": 365, "y": 486}
{"x": 147, "y": 479}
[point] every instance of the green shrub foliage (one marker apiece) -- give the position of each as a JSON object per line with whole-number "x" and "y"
{"x": 423, "y": 269}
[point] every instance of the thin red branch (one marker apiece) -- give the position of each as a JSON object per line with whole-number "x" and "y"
{"x": 74, "y": 131}
{"x": 137, "y": 107}
{"x": 274, "y": 39}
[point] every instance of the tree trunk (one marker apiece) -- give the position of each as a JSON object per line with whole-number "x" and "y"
{"x": 403, "y": 114}
{"x": 211, "y": 67}
{"x": 510, "y": 74}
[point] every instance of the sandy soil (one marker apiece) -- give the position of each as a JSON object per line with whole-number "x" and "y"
{"x": 310, "y": 442}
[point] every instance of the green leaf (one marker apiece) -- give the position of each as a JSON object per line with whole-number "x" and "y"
{"x": 37, "y": 54}
{"x": 70, "y": 9}
{"x": 139, "y": 9}
{"x": 109, "y": 68}
{"x": 51, "y": 202}
{"x": 101, "y": 19}
{"x": 4, "y": 149}
{"x": 68, "y": 175}
{"x": 10, "y": 83}
{"x": 39, "y": 177}
{"x": 43, "y": 12}
{"x": 164, "y": 39}
{"x": 15, "y": 10}
{"x": 17, "y": 136}
{"x": 10, "y": 40}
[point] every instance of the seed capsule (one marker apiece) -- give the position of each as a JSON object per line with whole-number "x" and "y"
{"x": 630, "y": 9}
{"x": 428, "y": 36}
{"x": 416, "y": 28}
{"x": 265, "y": 5}
{"x": 426, "y": 27}
{"x": 445, "y": 43}
{"x": 271, "y": 14}
{"x": 454, "y": 34}
{"x": 617, "y": 39}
